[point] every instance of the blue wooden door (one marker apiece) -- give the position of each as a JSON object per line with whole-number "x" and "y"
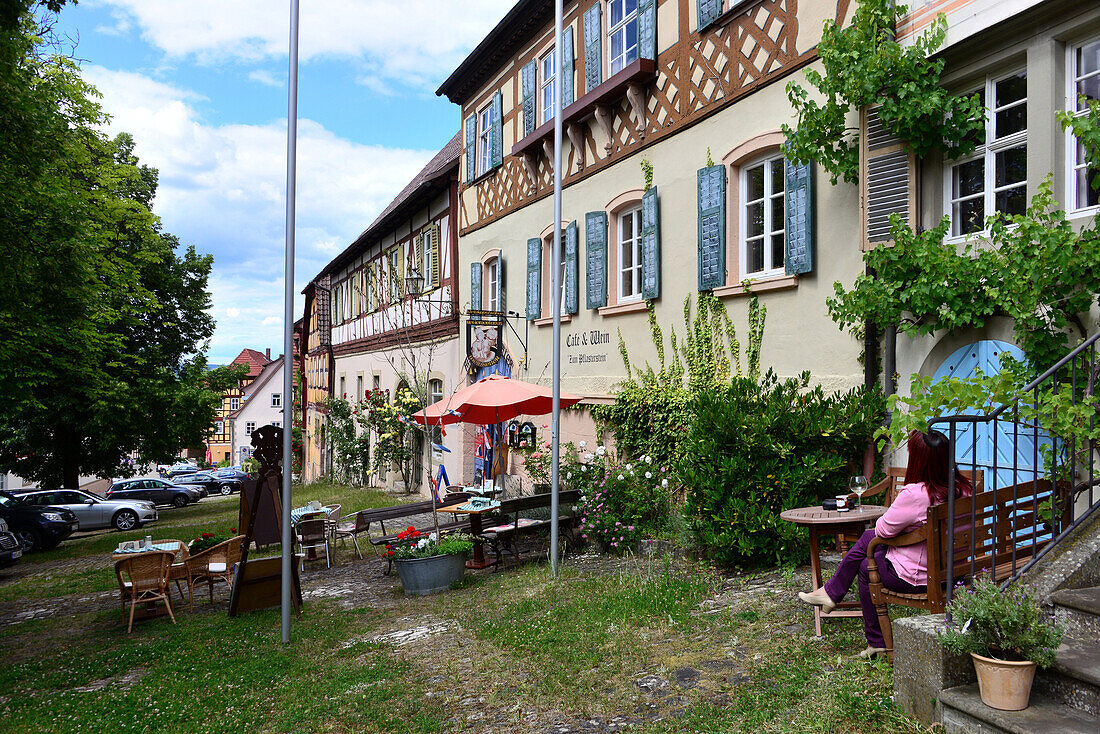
{"x": 1008, "y": 452}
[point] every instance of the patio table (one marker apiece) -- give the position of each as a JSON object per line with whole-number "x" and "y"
{"x": 831, "y": 522}
{"x": 464, "y": 508}
{"x": 161, "y": 545}
{"x": 299, "y": 512}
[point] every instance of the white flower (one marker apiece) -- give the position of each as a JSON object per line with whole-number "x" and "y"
{"x": 630, "y": 467}
{"x": 601, "y": 450}
{"x": 582, "y": 444}
{"x": 649, "y": 475}
{"x": 620, "y": 477}
{"x": 422, "y": 543}
{"x": 584, "y": 468}
{"x": 664, "y": 482}
{"x": 569, "y": 475}
{"x": 433, "y": 537}
{"x": 648, "y": 459}
{"x": 589, "y": 456}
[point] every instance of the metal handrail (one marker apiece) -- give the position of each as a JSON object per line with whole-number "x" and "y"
{"x": 1031, "y": 390}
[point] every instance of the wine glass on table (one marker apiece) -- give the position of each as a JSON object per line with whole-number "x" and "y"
{"x": 858, "y": 485}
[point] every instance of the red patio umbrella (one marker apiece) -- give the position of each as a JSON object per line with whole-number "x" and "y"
{"x": 490, "y": 400}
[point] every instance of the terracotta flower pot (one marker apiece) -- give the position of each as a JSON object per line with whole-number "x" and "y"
{"x": 1004, "y": 684}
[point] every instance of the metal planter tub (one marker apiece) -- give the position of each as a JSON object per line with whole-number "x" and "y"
{"x": 429, "y": 575}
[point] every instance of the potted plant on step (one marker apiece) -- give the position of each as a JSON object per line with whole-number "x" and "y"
{"x": 1007, "y": 634}
{"x": 426, "y": 563}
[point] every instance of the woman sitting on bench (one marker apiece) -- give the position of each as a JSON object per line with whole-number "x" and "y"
{"x": 903, "y": 569}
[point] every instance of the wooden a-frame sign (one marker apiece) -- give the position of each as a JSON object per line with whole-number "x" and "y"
{"x": 257, "y": 584}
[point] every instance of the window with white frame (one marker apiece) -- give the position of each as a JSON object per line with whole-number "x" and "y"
{"x": 249, "y": 427}
{"x": 428, "y": 246}
{"x": 630, "y": 254}
{"x": 484, "y": 139}
{"x": 377, "y": 382}
{"x": 547, "y": 82}
{"x": 359, "y": 388}
{"x": 219, "y": 427}
{"x": 994, "y": 178}
{"x": 435, "y": 394}
{"x": 277, "y": 424}
{"x": 762, "y": 242}
{"x": 492, "y": 284}
{"x": 343, "y": 387}
{"x": 622, "y": 34}
{"x": 1084, "y": 82}
{"x": 234, "y": 403}
{"x": 276, "y": 400}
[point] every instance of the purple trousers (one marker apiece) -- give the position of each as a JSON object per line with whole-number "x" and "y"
{"x": 854, "y": 566}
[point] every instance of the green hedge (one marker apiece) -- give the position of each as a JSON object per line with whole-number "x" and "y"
{"x": 755, "y": 449}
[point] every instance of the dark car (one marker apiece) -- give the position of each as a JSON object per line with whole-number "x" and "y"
{"x": 157, "y": 491}
{"x": 178, "y": 470}
{"x": 11, "y": 550}
{"x": 233, "y": 472}
{"x": 212, "y": 482}
{"x": 38, "y": 527}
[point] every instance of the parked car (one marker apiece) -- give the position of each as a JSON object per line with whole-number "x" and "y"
{"x": 94, "y": 512}
{"x": 234, "y": 472}
{"x": 180, "y": 469}
{"x": 36, "y": 526}
{"x": 11, "y": 549}
{"x": 211, "y": 481}
{"x": 156, "y": 491}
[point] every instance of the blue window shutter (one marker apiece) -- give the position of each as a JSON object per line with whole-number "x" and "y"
{"x": 799, "y": 227}
{"x": 475, "y": 286}
{"x": 595, "y": 243}
{"x": 651, "y": 245}
{"x": 712, "y": 227}
{"x": 571, "y": 270}
{"x": 709, "y": 10}
{"x": 496, "y": 138}
{"x": 568, "y": 62}
{"x": 471, "y": 148}
{"x": 534, "y": 278}
{"x": 529, "y": 82}
{"x": 647, "y": 29}
{"x": 593, "y": 46}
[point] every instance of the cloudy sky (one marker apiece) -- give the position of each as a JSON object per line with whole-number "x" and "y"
{"x": 202, "y": 86}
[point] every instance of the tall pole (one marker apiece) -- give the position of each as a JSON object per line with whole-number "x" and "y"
{"x": 288, "y": 318}
{"x": 555, "y": 297}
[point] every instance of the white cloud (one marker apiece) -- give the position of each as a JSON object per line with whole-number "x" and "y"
{"x": 412, "y": 41}
{"x": 222, "y": 188}
{"x": 266, "y": 78}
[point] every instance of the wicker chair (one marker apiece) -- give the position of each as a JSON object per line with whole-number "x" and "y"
{"x": 178, "y": 571}
{"x": 212, "y": 565}
{"x": 143, "y": 579}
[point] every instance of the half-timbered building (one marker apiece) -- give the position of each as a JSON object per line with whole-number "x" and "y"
{"x": 316, "y": 378}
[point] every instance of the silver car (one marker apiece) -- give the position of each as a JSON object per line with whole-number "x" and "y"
{"x": 92, "y": 511}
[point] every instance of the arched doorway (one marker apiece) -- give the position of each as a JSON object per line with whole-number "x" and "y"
{"x": 1013, "y": 449}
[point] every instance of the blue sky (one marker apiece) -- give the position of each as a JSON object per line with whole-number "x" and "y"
{"x": 201, "y": 84}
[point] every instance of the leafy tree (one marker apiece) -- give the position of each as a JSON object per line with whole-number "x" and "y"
{"x": 103, "y": 317}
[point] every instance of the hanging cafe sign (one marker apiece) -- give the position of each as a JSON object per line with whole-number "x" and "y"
{"x": 483, "y": 332}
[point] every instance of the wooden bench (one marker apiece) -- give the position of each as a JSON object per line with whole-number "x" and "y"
{"x": 502, "y": 533}
{"x": 995, "y": 532}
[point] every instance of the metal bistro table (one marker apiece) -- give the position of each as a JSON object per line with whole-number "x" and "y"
{"x": 830, "y": 522}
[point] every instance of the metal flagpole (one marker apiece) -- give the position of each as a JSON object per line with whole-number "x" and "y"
{"x": 288, "y": 317}
{"x": 555, "y": 296}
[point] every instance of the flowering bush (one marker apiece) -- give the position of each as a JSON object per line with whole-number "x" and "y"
{"x": 411, "y": 543}
{"x": 209, "y": 540}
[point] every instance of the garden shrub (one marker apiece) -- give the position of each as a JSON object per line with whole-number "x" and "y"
{"x": 756, "y": 448}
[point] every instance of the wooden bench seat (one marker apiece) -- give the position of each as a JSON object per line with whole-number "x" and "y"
{"x": 503, "y": 533}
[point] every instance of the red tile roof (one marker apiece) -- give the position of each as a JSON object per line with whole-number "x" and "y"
{"x": 255, "y": 361}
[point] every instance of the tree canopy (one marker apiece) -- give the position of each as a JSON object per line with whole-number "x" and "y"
{"x": 105, "y": 315}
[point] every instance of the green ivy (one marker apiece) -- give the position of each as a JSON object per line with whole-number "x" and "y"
{"x": 864, "y": 65}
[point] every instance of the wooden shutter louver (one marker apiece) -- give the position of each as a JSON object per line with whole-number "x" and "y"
{"x": 475, "y": 286}
{"x": 501, "y": 286}
{"x": 593, "y": 46}
{"x": 800, "y": 226}
{"x": 471, "y": 148}
{"x": 647, "y": 29}
{"x": 595, "y": 243}
{"x": 437, "y": 253}
{"x": 709, "y": 10}
{"x": 651, "y": 245}
{"x": 568, "y": 62}
{"x": 534, "y": 278}
{"x": 887, "y": 180}
{"x": 571, "y": 269}
{"x": 496, "y": 137}
{"x": 528, "y": 84}
{"x": 712, "y": 227}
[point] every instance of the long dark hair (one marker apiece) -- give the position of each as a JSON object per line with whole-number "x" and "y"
{"x": 928, "y": 463}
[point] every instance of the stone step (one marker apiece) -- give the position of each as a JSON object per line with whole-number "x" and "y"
{"x": 964, "y": 713}
{"x": 1079, "y": 611}
{"x": 1074, "y": 679}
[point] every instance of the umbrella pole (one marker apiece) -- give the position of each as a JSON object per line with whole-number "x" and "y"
{"x": 555, "y": 300}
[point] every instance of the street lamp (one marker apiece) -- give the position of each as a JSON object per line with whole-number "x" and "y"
{"x": 414, "y": 283}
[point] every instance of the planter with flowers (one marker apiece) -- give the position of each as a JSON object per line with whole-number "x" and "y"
{"x": 1007, "y": 634}
{"x": 209, "y": 540}
{"x": 428, "y": 564}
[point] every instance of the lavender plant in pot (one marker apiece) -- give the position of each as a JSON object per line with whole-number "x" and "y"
{"x": 1007, "y": 634}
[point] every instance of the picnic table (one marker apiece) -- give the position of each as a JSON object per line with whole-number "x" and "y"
{"x": 822, "y": 522}
{"x": 475, "y": 513}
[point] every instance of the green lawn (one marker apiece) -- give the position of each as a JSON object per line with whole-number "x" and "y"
{"x": 511, "y": 651}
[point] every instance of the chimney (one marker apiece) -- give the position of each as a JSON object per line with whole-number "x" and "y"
{"x": 267, "y": 354}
